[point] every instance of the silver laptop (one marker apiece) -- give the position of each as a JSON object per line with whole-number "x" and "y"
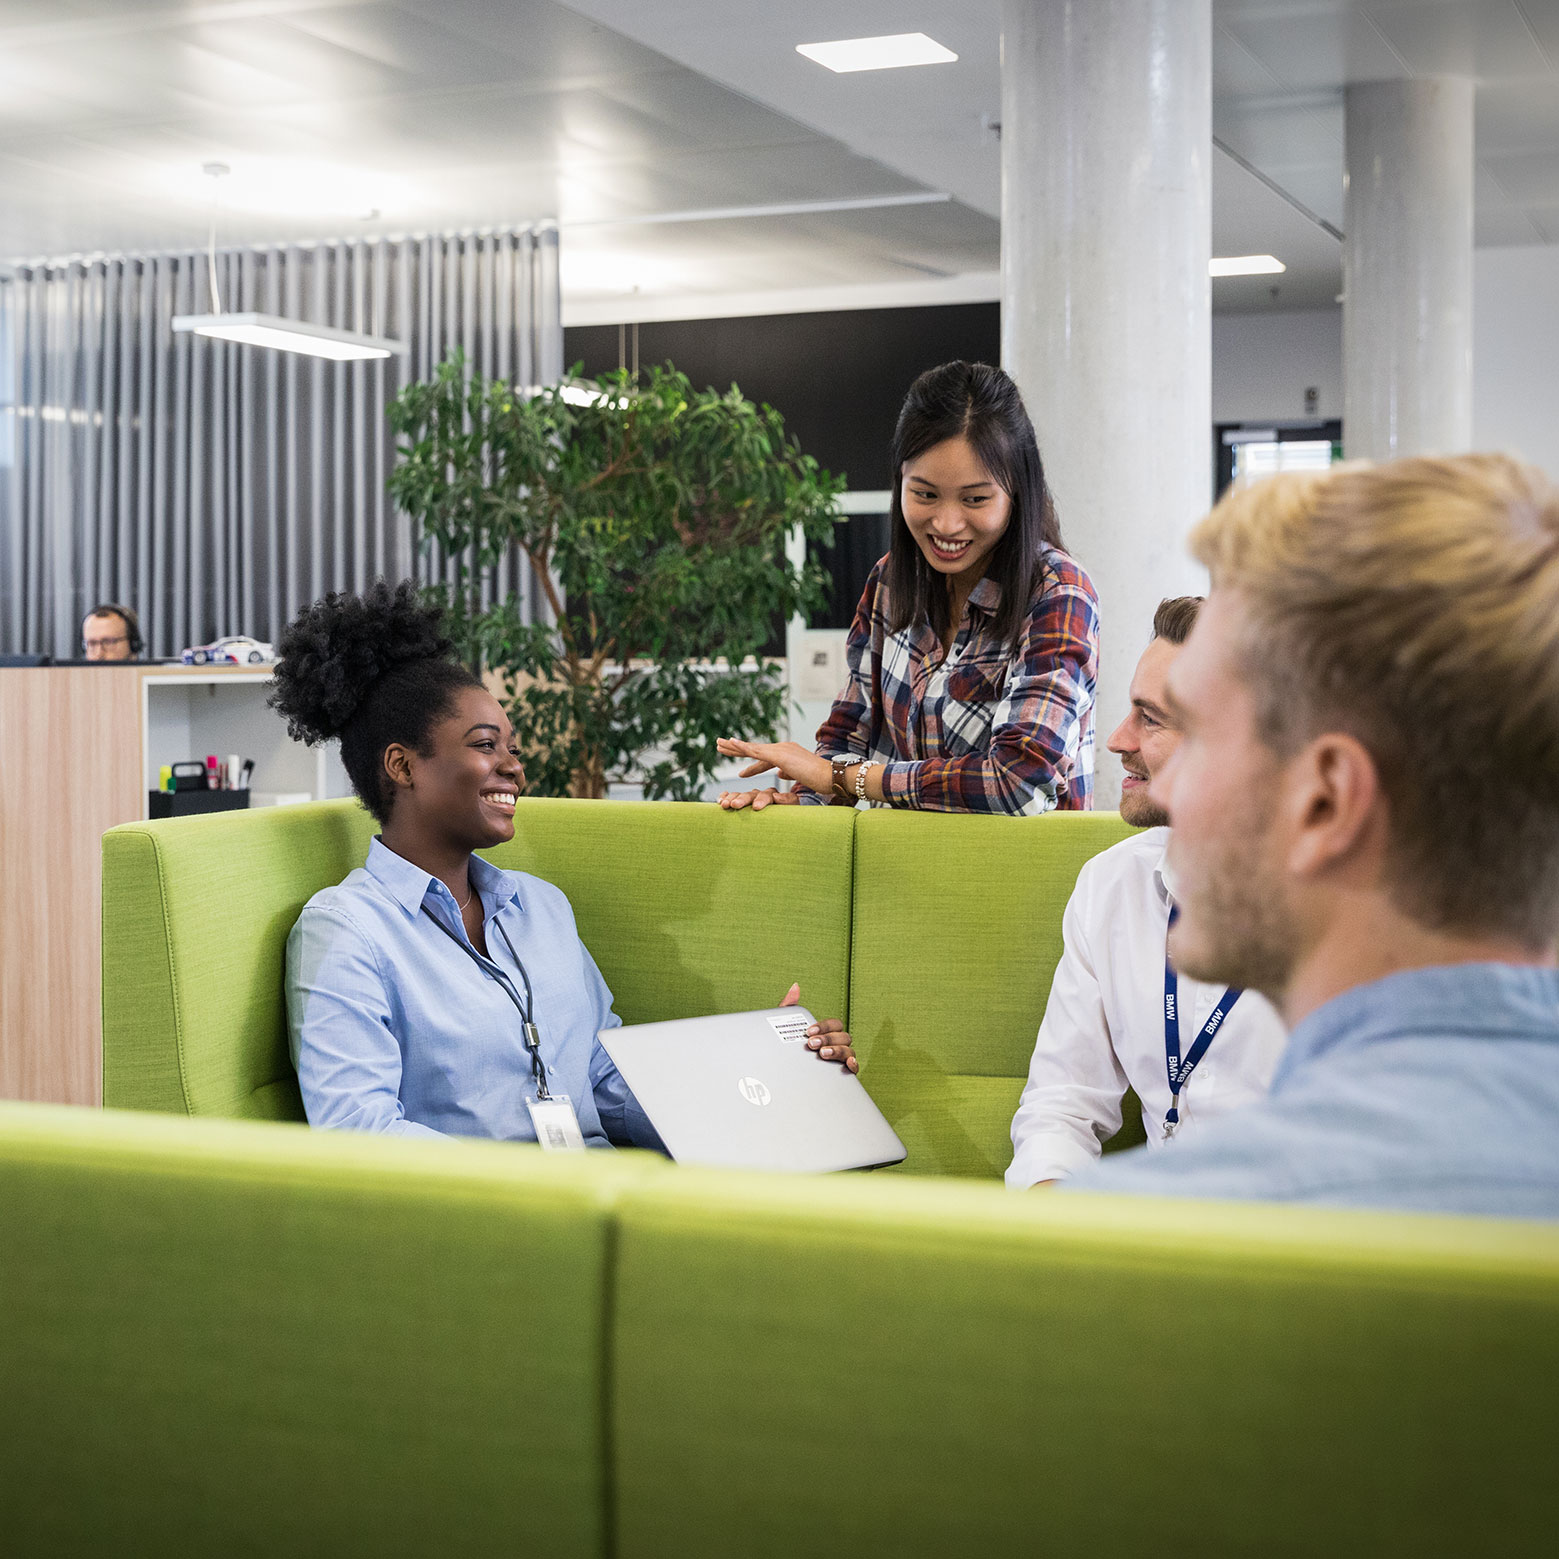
{"x": 743, "y": 1091}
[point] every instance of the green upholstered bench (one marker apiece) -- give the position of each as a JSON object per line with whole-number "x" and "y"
{"x": 223, "y": 1337}
{"x": 247, "y": 1338}
{"x": 882, "y": 1367}
{"x": 934, "y": 936}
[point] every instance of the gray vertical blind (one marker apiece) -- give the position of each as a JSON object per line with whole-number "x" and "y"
{"x": 214, "y": 487}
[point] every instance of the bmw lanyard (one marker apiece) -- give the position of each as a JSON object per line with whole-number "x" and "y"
{"x": 524, "y": 1008}
{"x": 1177, "y": 1069}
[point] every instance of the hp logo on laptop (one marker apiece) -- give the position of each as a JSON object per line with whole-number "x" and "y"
{"x": 754, "y": 1091}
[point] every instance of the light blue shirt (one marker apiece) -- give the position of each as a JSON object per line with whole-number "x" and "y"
{"x": 394, "y": 1027}
{"x": 1435, "y": 1090}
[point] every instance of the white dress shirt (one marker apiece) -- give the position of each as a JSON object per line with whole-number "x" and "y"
{"x": 1103, "y": 1029}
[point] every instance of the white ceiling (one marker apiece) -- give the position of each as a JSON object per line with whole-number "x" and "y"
{"x": 362, "y": 116}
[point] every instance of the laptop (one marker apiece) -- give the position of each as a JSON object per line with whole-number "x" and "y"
{"x": 743, "y": 1091}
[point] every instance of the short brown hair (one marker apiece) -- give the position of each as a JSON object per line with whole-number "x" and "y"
{"x": 1415, "y": 605}
{"x": 1176, "y": 617}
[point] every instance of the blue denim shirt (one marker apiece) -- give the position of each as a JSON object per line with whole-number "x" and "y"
{"x": 1435, "y": 1090}
{"x": 395, "y": 1028}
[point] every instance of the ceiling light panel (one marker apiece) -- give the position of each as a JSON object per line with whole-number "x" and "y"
{"x": 892, "y": 52}
{"x": 288, "y": 335}
{"x": 1246, "y": 265}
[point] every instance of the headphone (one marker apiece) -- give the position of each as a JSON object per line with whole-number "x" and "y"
{"x": 128, "y": 618}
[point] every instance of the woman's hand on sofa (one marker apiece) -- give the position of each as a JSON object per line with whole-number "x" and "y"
{"x": 735, "y": 800}
{"x": 827, "y": 1038}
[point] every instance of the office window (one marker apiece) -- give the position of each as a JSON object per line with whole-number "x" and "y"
{"x": 1255, "y": 460}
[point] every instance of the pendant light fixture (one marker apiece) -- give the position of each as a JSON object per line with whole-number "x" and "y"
{"x": 271, "y": 330}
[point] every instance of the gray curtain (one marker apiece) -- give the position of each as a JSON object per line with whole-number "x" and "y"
{"x": 214, "y": 487}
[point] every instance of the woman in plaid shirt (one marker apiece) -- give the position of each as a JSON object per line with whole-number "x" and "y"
{"x": 975, "y": 648}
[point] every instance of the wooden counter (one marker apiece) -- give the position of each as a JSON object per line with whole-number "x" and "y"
{"x": 80, "y": 747}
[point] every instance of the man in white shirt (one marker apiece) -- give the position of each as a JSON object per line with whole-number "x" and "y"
{"x": 1106, "y": 1028}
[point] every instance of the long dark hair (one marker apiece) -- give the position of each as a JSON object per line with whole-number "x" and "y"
{"x": 981, "y": 404}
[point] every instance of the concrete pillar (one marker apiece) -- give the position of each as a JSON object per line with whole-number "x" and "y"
{"x": 1407, "y": 268}
{"x": 1105, "y": 316}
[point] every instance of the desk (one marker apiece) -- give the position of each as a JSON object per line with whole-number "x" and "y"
{"x": 80, "y": 746}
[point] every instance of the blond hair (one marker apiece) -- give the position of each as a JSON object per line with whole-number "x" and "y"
{"x": 1415, "y": 605}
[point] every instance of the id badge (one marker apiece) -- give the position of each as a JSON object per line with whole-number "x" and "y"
{"x": 557, "y": 1127}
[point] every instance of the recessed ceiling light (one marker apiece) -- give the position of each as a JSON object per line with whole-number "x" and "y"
{"x": 889, "y": 53}
{"x": 1246, "y": 265}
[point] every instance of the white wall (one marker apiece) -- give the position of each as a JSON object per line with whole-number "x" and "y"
{"x": 1515, "y": 353}
{"x": 1263, "y": 362}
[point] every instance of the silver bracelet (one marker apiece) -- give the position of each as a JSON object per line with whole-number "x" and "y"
{"x": 860, "y": 777}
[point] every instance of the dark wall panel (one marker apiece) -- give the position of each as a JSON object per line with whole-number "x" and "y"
{"x": 837, "y": 379}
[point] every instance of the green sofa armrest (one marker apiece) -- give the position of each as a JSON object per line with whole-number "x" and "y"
{"x": 196, "y": 913}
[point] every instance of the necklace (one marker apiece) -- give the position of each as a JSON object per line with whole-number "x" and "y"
{"x": 472, "y": 887}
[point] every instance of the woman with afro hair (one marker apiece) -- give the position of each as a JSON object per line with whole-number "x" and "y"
{"x": 431, "y": 993}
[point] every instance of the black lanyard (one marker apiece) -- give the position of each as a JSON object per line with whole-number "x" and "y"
{"x": 524, "y": 1008}
{"x": 1178, "y": 1068}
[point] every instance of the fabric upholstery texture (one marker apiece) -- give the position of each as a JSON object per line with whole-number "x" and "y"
{"x": 689, "y": 910}
{"x": 896, "y": 1367}
{"x": 196, "y": 913}
{"x": 250, "y": 1339}
{"x": 955, "y": 935}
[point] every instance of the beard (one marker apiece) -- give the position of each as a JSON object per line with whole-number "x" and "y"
{"x": 1140, "y": 810}
{"x": 1235, "y": 926}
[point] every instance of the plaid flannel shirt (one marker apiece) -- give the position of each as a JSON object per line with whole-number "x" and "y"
{"x": 988, "y": 729}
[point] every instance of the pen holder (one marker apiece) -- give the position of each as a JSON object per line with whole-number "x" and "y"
{"x": 187, "y": 803}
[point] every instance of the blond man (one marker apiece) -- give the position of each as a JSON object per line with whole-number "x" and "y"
{"x": 1366, "y": 829}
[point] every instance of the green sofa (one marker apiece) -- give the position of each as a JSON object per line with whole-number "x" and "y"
{"x": 934, "y": 937}
{"x": 238, "y": 1336}
{"x": 242, "y": 1338}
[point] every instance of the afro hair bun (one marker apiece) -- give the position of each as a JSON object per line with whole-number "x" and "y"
{"x": 334, "y": 651}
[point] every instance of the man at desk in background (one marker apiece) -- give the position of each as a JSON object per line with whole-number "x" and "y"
{"x": 1105, "y": 1027}
{"x": 111, "y": 632}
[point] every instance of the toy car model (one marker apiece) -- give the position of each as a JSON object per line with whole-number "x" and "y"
{"x": 235, "y": 650}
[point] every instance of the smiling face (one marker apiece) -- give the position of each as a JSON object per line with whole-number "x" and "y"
{"x": 463, "y": 788}
{"x": 953, "y": 509}
{"x": 1224, "y": 787}
{"x": 1146, "y": 738}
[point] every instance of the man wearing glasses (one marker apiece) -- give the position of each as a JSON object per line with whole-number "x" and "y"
{"x": 111, "y": 632}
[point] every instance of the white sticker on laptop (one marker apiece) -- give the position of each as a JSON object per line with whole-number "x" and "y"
{"x": 557, "y": 1127}
{"x": 790, "y": 1028}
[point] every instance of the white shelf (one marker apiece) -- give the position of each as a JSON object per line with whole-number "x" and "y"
{"x": 190, "y": 712}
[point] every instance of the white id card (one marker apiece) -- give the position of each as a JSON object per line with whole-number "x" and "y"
{"x": 557, "y": 1127}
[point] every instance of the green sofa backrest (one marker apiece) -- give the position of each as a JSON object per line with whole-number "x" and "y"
{"x": 228, "y": 1337}
{"x": 225, "y": 1337}
{"x": 687, "y": 910}
{"x": 955, "y": 936}
{"x": 889, "y": 1368}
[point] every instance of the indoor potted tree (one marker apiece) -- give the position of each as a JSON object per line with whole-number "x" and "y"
{"x": 654, "y": 517}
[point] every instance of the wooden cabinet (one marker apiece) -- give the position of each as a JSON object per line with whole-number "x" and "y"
{"x": 80, "y": 747}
